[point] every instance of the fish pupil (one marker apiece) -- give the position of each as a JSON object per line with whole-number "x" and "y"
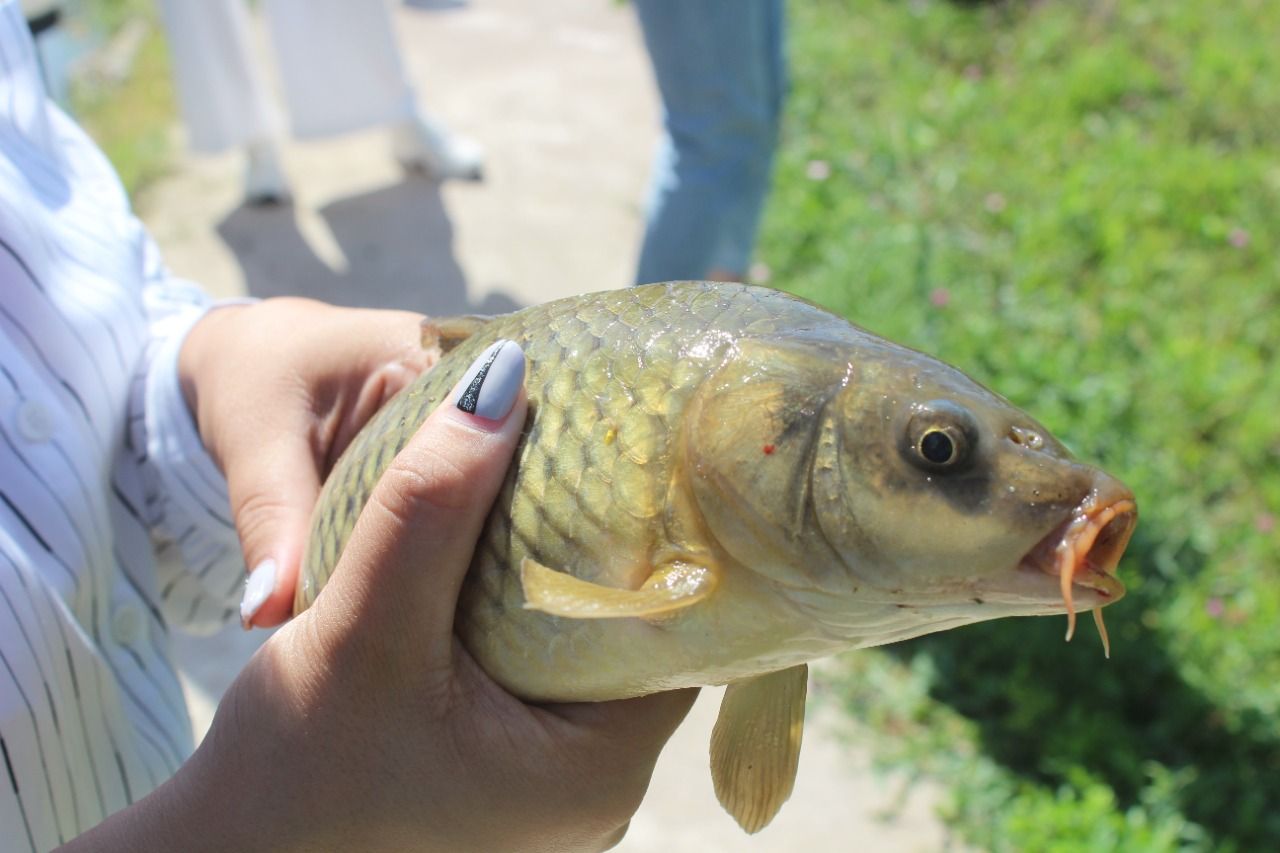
{"x": 937, "y": 447}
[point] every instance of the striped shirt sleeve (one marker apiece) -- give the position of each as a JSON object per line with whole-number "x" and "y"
{"x": 99, "y": 459}
{"x": 201, "y": 566}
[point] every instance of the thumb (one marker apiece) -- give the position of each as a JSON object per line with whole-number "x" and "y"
{"x": 403, "y": 566}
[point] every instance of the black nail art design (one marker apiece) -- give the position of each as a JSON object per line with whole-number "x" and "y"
{"x": 470, "y": 397}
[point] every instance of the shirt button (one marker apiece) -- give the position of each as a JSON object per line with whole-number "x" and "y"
{"x": 126, "y": 625}
{"x": 35, "y": 422}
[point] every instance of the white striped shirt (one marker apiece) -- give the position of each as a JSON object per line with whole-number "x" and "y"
{"x": 100, "y": 464}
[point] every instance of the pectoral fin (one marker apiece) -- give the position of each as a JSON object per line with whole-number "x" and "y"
{"x": 669, "y": 588}
{"x": 448, "y": 332}
{"x": 755, "y": 746}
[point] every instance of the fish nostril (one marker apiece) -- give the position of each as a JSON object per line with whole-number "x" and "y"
{"x": 1027, "y": 438}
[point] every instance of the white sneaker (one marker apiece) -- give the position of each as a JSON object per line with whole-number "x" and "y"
{"x": 422, "y": 144}
{"x": 264, "y": 179}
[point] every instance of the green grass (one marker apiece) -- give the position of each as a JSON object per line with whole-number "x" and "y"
{"x": 1093, "y": 189}
{"x": 133, "y": 120}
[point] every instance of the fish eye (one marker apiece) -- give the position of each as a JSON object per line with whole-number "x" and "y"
{"x": 937, "y": 447}
{"x": 941, "y": 437}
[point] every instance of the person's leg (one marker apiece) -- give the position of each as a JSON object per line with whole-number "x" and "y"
{"x": 339, "y": 65}
{"x": 222, "y": 93}
{"x": 720, "y": 70}
{"x": 342, "y": 71}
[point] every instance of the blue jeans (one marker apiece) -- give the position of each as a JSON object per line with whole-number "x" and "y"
{"x": 721, "y": 71}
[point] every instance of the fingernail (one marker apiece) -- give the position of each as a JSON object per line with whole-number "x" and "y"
{"x": 492, "y": 382}
{"x": 257, "y": 589}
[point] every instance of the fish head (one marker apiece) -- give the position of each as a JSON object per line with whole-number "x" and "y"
{"x": 865, "y": 479}
{"x": 944, "y": 490}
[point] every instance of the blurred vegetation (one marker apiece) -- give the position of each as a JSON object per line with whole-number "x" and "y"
{"x": 132, "y": 119}
{"x": 1076, "y": 203}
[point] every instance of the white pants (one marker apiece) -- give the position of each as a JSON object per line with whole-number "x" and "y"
{"x": 338, "y": 62}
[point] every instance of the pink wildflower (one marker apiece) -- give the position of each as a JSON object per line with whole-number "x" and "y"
{"x": 818, "y": 170}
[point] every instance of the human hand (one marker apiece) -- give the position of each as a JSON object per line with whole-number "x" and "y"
{"x": 278, "y": 389}
{"x": 364, "y": 724}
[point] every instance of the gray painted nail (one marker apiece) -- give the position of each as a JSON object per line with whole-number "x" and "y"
{"x": 492, "y": 383}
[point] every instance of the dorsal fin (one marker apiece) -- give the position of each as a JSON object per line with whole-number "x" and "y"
{"x": 447, "y": 332}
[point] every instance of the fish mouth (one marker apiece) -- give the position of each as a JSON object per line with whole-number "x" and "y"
{"x": 1084, "y": 550}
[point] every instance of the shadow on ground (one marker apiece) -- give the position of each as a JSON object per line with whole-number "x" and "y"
{"x": 1054, "y": 708}
{"x": 396, "y": 242}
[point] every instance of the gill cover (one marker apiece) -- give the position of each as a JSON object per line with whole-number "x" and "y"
{"x": 751, "y": 446}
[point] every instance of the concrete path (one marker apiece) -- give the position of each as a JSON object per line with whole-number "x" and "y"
{"x": 559, "y": 93}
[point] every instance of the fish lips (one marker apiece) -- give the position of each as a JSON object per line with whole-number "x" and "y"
{"x": 1080, "y": 555}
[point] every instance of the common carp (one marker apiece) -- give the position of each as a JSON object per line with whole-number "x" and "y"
{"x": 719, "y": 483}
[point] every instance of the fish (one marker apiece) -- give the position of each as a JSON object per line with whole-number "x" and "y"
{"x": 717, "y": 484}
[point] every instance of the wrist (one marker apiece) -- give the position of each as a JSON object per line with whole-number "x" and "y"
{"x": 191, "y": 811}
